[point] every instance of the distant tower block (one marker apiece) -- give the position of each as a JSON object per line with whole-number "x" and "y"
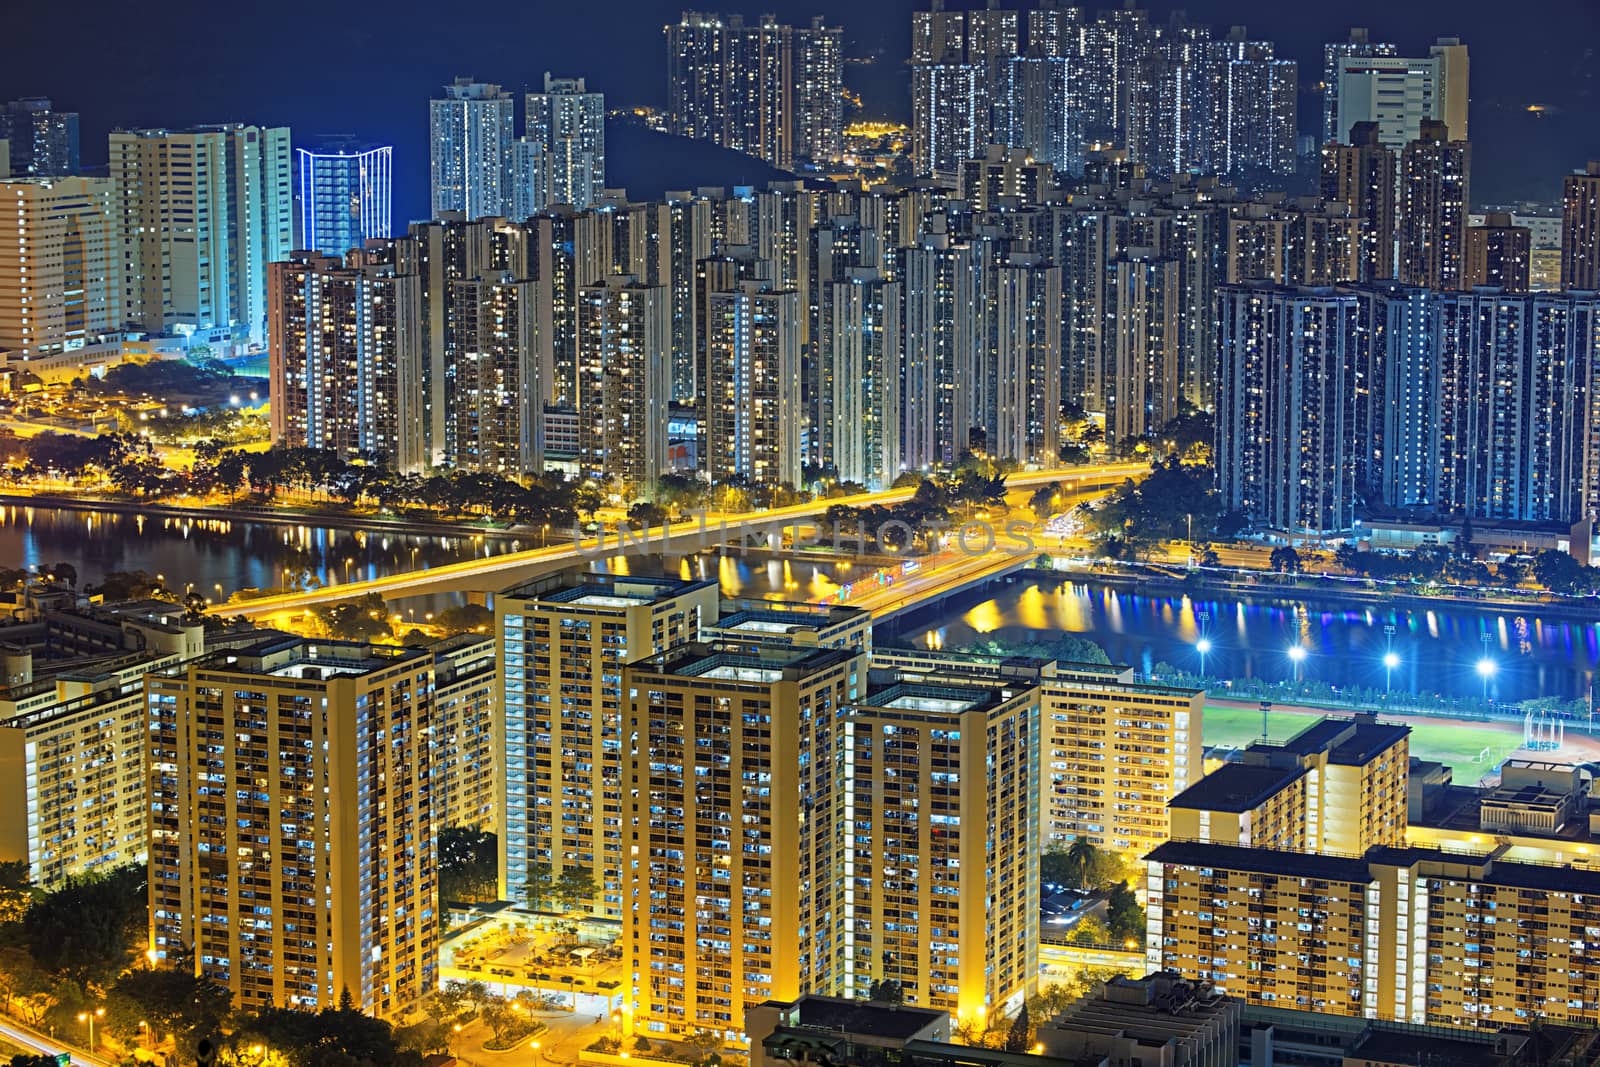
{"x": 1542, "y": 732}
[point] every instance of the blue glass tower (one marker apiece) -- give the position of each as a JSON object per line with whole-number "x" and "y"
{"x": 345, "y": 196}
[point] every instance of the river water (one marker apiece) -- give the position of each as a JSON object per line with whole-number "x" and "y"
{"x": 1438, "y": 650}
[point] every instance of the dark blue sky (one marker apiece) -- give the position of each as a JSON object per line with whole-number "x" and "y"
{"x": 368, "y": 68}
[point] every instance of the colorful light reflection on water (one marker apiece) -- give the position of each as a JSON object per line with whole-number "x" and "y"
{"x": 1439, "y": 649}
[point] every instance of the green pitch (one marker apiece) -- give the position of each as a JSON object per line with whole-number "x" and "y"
{"x": 1456, "y": 745}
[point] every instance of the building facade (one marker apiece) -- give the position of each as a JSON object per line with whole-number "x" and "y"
{"x": 292, "y": 824}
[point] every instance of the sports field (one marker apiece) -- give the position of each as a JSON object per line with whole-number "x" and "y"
{"x": 1458, "y": 743}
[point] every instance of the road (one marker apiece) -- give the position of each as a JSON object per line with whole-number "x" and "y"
{"x": 496, "y": 571}
{"x": 29, "y": 1040}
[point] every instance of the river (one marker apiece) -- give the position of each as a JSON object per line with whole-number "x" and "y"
{"x": 1438, "y": 650}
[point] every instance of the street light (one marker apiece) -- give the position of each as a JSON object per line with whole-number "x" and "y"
{"x": 1203, "y": 646}
{"x": 89, "y": 1017}
{"x": 1297, "y": 656}
{"x": 144, "y": 1033}
{"x": 1391, "y": 660}
{"x": 1486, "y": 671}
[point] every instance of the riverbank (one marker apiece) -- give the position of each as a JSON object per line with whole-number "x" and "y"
{"x": 1351, "y": 591}
{"x": 269, "y": 515}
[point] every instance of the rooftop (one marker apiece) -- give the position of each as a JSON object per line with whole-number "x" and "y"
{"x": 1235, "y": 787}
{"x": 867, "y": 1017}
{"x": 597, "y": 589}
{"x": 1347, "y": 741}
{"x": 304, "y": 658}
{"x": 741, "y": 662}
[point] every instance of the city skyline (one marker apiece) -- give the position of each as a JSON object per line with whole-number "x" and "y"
{"x": 1514, "y": 67}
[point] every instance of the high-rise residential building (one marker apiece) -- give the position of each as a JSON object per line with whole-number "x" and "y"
{"x": 817, "y": 76}
{"x": 61, "y": 285}
{"x": 770, "y": 90}
{"x": 1112, "y": 751}
{"x": 43, "y": 142}
{"x": 1413, "y": 935}
{"x": 1003, "y": 177}
{"x": 345, "y": 344}
{"x": 1285, "y": 456}
{"x": 493, "y": 379}
{"x": 1362, "y": 176}
{"x": 467, "y": 790}
{"x": 1140, "y": 339}
{"x": 1113, "y": 51}
{"x": 570, "y": 123}
{"x": 1338, "y": 786}
{"x": 753, "y": 415}
{"x": 564, "y": 642}
{"x": 530, "y": 179}
{"x": 1515, "y": 436}
{"x": 1580, "y": 228}
{"x": 937, "y": 35}
{"x": 1401, "y": 93}
{"x": 729, "y": 838}
{"x": 1033, "y": 110}
{"x": 1499, "y": 253}
{"x": 1018, "y": 402}
{"x": 943, "y": 284}
{"x": 860, "y": 346}
{"x": 471, "y": 130}
{"x": 1359, "y": 45}
{"x": 935, "y": 801}
{"x": 992, "y": 34}
{"x": 950, "y": 111}
{"x": 292, "y": 824}
{"x": 1466, "y": 402}
{"x": 346, "y": 196}
{"x": 1054, "y": 29}
{"x": 1176, "y": 117}
{"x": 204, "y": 211}
{"x": 75, "y": 802}
{"x": 1431, "y": 215}
{"x": 624, "y": 362}
{"x": 1260, "y": 99}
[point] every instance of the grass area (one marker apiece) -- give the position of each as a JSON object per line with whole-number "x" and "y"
{"x": 1453, "y": 744}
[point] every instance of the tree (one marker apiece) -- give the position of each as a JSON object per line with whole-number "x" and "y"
{"x": 465, "y": 618}
{"x": 539, "y": 889}
{"x": 703, "y": 1046}
{"x": 1043, "y": 501}
{"x": 1560, "y": 573}
{"x": 1056, "y": 868}
{"x": 1285, "y": 559}
{"x": 645, "y": 515}
{"x": 87, "y": 929}
{"x": 886, "y": 991}
{"x": 1124, "y": 916}
{"x": 1019, "y": 1038}
{"x": 362, "y": 619}
{"x": 574, "y": 885}
{"x": 468, "y": 864}
{"x": 172, "y": 1000}
{"x": 1091, "y": 931}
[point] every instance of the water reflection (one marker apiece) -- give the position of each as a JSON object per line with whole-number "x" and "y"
{"x": 1438, "y": 648}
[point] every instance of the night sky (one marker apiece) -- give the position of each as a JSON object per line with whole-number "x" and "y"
{"x": 368, "y": 69}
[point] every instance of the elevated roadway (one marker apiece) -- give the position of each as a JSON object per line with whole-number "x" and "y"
{"x": 493, "y": 573}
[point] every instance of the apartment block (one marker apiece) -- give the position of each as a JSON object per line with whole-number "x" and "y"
{"x": 72, "y": 760}
{"x": 564, "y": 642}
{"x": 1413, "y": 935}
{"x": 1338, "y": 786}
{"x": 466, "y": 764}
{"x": 292, "y": 823}
{"x": 729, "y": 839}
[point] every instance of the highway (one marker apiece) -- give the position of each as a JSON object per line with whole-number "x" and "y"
{"x": 37, "y": 1043}
{"x": 495, "y": 572}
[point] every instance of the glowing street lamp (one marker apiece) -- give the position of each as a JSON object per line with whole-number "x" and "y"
{"x": 89, "y": 1017}
{"x": 1297, "y": 656}
{"x": 1486, "y": 668}
{"x": 1391, "y": 660}
{"x": 1203, "y": 646}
